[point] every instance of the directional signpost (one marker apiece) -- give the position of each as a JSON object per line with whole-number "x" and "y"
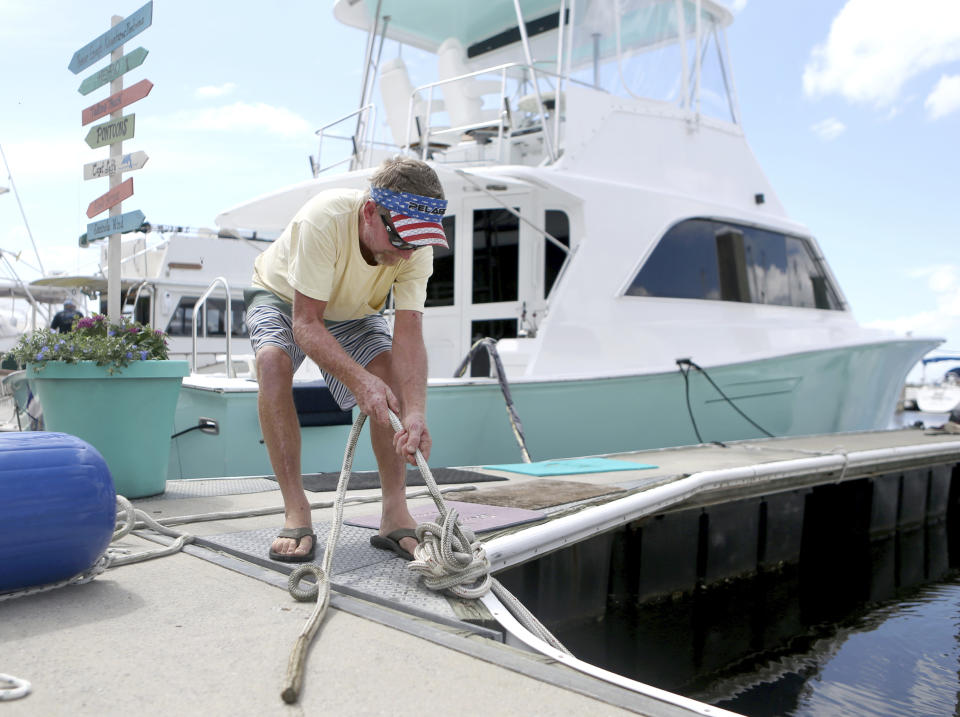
{"x": 115, "y": 225}
{"x": 116, "y": 102}
{"x": 111, "y": 134}
{"x": 110, "y": 166}
{"x": 113, "y": 71}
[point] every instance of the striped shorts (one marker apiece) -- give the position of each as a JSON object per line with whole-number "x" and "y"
{"x": 363, "y": 339}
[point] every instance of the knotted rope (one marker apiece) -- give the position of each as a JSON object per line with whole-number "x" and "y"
{"x": 449, "y": 557}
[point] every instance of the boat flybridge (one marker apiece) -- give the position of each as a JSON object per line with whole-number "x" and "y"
{"x": 609, "y": 228}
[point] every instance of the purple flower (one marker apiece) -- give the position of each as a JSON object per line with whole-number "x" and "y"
{"x": 129, "y": 355}
{"x": 85, "y": 323}
{"x": 143, "y": 355}
{"x": 40, "y": 356}
{"x": 111, "y": 333}
{"x": 133, "y": 329}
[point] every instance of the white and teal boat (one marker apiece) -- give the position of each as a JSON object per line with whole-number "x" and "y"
{"x": 610, "y": 228}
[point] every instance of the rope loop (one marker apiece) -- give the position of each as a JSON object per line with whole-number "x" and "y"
{"x": 13, "y": 688}
{"x": 309, "y": 593}
{"x": 129, "y": 520}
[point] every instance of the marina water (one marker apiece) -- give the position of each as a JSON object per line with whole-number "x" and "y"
{"x": 856, "y": 628}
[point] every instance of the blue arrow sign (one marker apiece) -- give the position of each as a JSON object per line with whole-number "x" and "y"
{"x": 119, "y": 224}
{"x": 112, "y": 38}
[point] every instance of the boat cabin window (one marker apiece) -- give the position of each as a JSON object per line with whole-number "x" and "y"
{"x": 496, "y": 255}
{"x": 441, "y": 285}
{"x": 557, "y": 224}
{"x": 722, "y": 261}
{"x": 181, "y": 322}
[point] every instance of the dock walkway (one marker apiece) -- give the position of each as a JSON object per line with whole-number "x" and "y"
{"x": 209, "y": 631}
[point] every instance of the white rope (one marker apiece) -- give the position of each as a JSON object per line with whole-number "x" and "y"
{"x": 13, "y": 688}
{"x": 448, "y": 556}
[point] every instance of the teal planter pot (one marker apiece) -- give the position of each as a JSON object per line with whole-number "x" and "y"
{"x": 127, "y": 415}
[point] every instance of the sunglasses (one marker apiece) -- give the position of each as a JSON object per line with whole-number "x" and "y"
{"x": 394, "y": 236}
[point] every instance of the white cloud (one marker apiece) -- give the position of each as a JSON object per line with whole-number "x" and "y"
{"x": 734, "y": 6}
{"x": 875, "y": 46}
{"x": 945, "y": 97}
{"x": 241, "y": 117}
{"x": 943, "y": 320}
{"x": 829, "y": 129}
{"x": 209, "y": 91}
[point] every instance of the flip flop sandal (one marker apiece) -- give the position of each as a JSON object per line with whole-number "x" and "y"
{"x": 297, "y": 534}
{"x": 391, "y": 542}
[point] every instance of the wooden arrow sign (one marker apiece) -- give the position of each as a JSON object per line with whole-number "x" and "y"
{"x": 113, "y": 71}
{"x": 110, "y": 166}
{"x": 112, "y": 38}
{"x": 122, "y": 191}
{"x": 116, "y": 101}
{"x": 113, "y": 131}
{"x": 119, "y": 224}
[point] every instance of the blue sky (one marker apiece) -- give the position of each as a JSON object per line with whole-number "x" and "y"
{"x": 851, "y": 106}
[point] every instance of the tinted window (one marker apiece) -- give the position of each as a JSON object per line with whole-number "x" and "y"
{"x": 440, "y": 287}
{"x": 496, "y": 236}
{"x": 766, "y": 256}
{"x": 708, "y": 259}
{"x": 809, "y": 286}
{"x": 557, "y": 225}
{"x": 683, "y": 265}
{"x": 181, "y": 323}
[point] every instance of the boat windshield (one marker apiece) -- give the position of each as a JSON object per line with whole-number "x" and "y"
{"x": 649, "y": 49}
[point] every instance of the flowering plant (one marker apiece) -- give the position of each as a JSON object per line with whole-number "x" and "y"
{"x": 93, "y": 338}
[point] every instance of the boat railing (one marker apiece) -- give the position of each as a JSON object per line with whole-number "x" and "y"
{"x": 361, "y": 141}
{"x": 201, "y": 303}
{"x": 503, "y": 124}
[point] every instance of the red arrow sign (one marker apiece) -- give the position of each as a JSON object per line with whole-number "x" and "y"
{"x": 122, "y": 191}
{"x": 117, "y": 101}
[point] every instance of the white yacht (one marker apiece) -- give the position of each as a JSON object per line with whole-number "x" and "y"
{"x": 610, "y": 228}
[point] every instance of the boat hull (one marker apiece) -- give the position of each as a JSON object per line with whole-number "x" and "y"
{"x": 830, "y": 391}
{"x": 937, "y": 399}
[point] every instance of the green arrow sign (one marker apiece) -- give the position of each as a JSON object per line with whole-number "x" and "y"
{"x": 112, "y": 131}
{"x": 113, "y": 71}
{"x": 115, "y": 225}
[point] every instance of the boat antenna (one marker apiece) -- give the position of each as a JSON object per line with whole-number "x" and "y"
{"x": 22, "y": 213}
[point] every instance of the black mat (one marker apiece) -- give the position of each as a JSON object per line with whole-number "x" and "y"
{"x": 324, "y": 482}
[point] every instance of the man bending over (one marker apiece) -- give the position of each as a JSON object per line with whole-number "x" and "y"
{"x": 319, "y": 291}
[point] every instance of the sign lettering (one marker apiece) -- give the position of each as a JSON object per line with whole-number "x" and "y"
{"x": 112, "y": 38}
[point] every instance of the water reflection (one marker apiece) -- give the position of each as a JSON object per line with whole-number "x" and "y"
{"x": 859, "y": 627}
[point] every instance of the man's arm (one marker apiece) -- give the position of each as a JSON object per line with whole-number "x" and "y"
{"x": 373, "y": 395}
{"x": 410, "y": 374}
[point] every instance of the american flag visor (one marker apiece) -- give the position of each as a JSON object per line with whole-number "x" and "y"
{"x": 417, "y": 219}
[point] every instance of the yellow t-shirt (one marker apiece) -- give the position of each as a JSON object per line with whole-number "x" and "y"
{"x": 318, "y": 255}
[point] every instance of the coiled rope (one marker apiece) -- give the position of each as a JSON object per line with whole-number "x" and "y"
{"x": 448, "y": 556}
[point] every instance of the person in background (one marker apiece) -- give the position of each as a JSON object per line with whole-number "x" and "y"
{"x": 63, "y": 321}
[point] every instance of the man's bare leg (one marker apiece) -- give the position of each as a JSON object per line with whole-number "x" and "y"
{"x": 281, "y": 433}
{"x": 392, "y": 468}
